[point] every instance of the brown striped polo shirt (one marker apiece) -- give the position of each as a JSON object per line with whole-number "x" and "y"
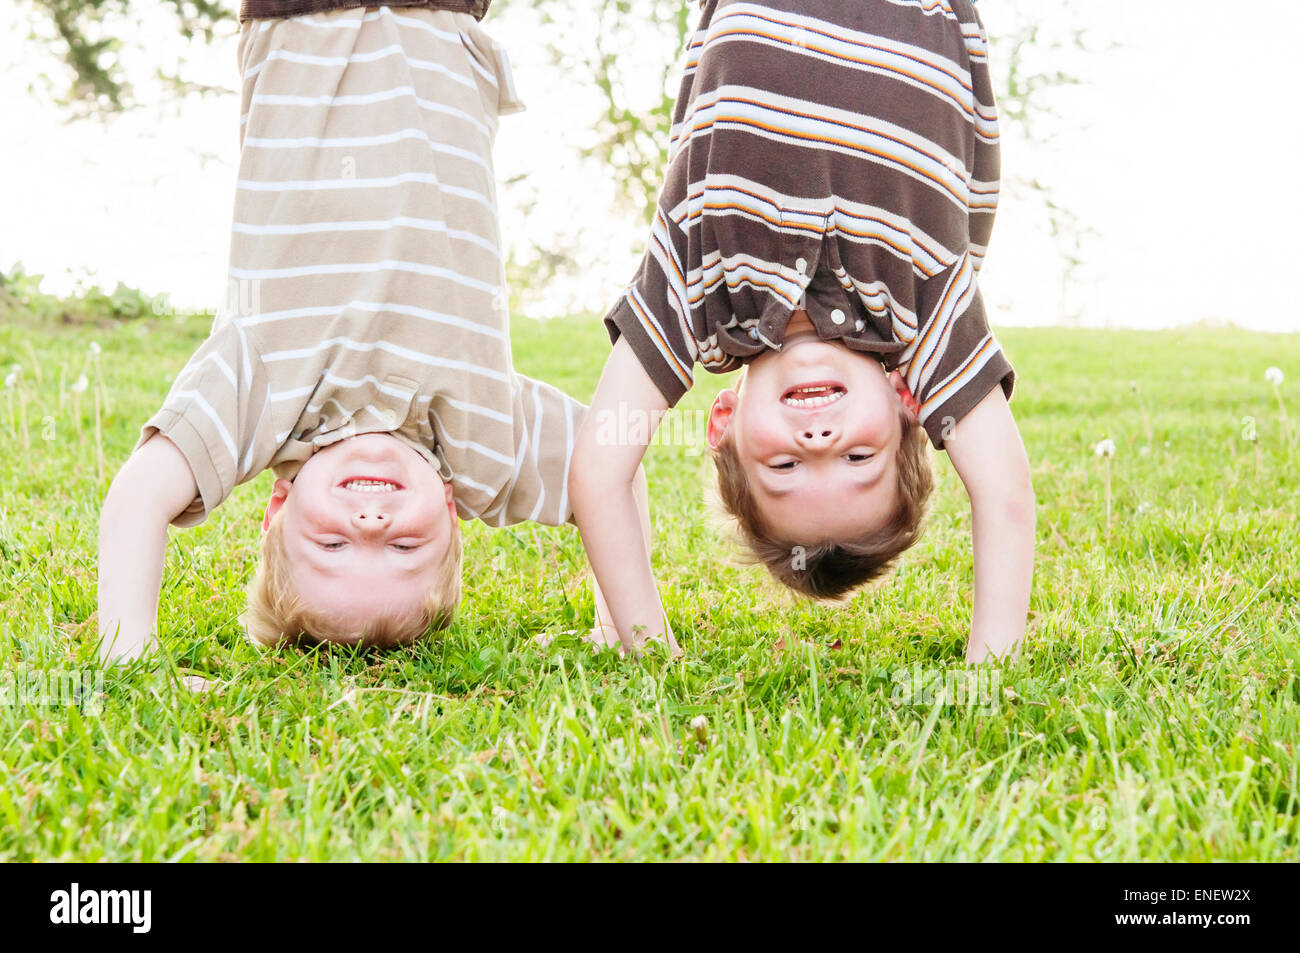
{"x": 366, "y": 271}
{"x": 841, "y": 157}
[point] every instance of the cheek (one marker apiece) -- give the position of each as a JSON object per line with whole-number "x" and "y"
{"x": 877, "y": 423}
{"x": 431, "y": 516}
{"x": 313, "y": 511}
{"x": 759, "y": 435}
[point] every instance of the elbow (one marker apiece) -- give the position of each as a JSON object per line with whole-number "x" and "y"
{"x": 1021, "y": 510}
{"x": 594, "y": 477}
{"x": 580, "y": 472}
{"x": 1010, "y": 500}
{"x": 1019, "y": 505}
{"x": 585, "y": 481}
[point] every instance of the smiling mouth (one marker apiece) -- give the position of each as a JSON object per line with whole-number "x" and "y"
{"x": 813, "y": 396}
{"x": 368, "y": 485}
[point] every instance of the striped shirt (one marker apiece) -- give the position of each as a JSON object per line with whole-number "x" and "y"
{"x": 840, "y": 157}
{"x": 366, "y": 262}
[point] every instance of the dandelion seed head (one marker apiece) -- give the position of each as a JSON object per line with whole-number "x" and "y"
{"x": 1104, "y": 448}
{"x": 79, "y": 385}
{"x": 700, "y": 725}
{"x": 11, "y": 379}
{"x": 1274, "y": 376}
{"x": 95, "y": 349}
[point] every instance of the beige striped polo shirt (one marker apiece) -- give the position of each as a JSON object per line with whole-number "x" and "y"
{"x": 365, "y": 260}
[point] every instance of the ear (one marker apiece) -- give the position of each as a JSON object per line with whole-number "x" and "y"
{"x": 450, "y": 496}
{"x": 279, "y": 493}
{"x": 724, "y": 405}
{"x": 905, "y": 394}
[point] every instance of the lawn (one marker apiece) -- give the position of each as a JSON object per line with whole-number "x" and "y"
{"x": 1154, "y": 714}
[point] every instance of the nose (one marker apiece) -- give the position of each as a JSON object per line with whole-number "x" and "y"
{"x": 815, "y": 437}
{"x": 370, "y": 519}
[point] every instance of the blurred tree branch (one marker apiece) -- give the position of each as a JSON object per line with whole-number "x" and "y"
{"x": 625, "y": 138}
{"x": 87, "y": 39}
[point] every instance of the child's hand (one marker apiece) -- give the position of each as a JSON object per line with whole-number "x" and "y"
{"x": 154, "y": 487}
{"x": 605, "y": 635}
{"x": 989, "y": 456}
{"x": 602, "y": 635}
{"x": 197, "y": 683}
{"x": 610, "y": 502}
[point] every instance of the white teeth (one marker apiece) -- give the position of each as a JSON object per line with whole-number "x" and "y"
{"x": 370, "y": 486}
{"x": 811, "y": 402}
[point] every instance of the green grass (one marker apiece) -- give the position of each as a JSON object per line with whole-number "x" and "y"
{"x": 1154, "y": 714}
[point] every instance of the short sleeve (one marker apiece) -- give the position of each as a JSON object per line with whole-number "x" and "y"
{"x": 216, "y": 415}
{"x": 538, "y": 491}
{"x": 654, "y": 312}
{"x": 957, "y": 359}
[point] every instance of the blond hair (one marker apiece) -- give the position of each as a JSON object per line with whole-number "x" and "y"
{"x": 277, "y": 615}
{"x": 831, "y": 570}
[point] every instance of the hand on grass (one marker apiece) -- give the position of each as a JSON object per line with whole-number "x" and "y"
{"x": 197, "y": 683}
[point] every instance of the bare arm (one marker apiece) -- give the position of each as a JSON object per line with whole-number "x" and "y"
{"x": 612, "y": 517}
{"x": 989, "y": 456}
{"x": 152, "y": 488}
{"x": 605, "y": 632}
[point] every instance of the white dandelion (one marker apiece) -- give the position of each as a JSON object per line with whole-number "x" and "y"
{"x": 700, "y": 725}
{"x": 78, "y": 388}
{"x": 1105, "y": 449}
{"x": 17, "y": 419}
{"x": 1275, "y": 377}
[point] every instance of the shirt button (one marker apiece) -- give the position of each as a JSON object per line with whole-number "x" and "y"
{"x": 801, "y": 266}
{"x": 859, "y": 325}
{"x": 837, "y": 316}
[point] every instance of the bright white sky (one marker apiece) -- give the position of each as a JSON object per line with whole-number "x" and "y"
{"x": 1165, "y": 151}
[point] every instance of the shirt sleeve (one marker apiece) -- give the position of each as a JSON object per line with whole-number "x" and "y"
{"x": 654, "y": 312}
{"x": 957, "y": 359}
{"x": 539, "y": 490}
{"x": 213, "y": 414}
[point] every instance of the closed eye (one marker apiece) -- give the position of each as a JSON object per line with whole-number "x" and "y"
{"x": 784, "y": 467}
{"x": 331, "y": 547}
{"x": 858, "y": 457}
